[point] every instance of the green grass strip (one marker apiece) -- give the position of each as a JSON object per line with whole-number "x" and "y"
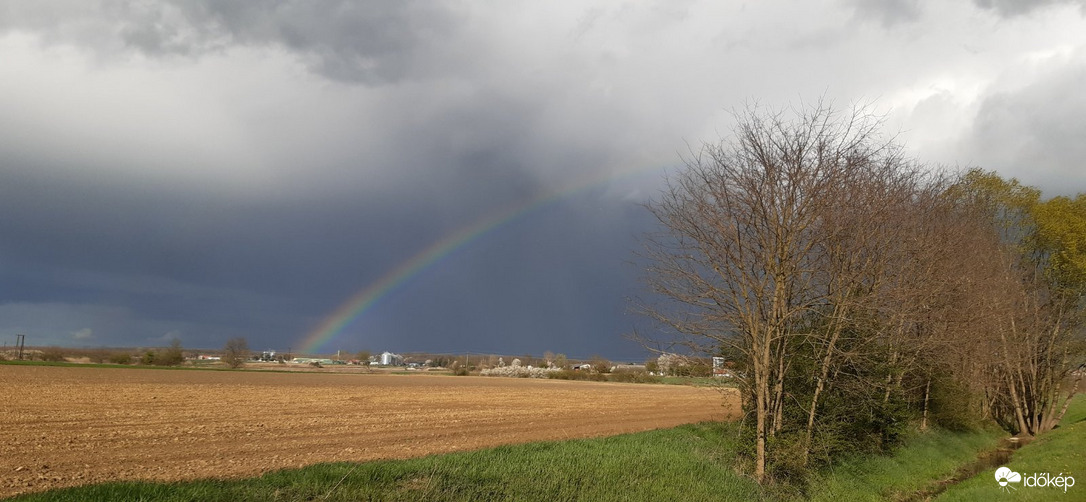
{"x": 683, "y": 463}
{"x": 109, "y": 365}
{"x": 1060, "y": 451}
{"x": 196, "y": 367}
{"x": 927, "y": 456}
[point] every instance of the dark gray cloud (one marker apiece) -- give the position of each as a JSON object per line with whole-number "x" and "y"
{"x": 369, "y": 42}
{"x": 135, "y": 265}
{"x": 209, "y": 169}
{"x": 553, "y": 279}
{"x": 204, "y": 264}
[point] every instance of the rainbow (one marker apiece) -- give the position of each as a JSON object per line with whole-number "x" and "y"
{"x": 358, "y": 304}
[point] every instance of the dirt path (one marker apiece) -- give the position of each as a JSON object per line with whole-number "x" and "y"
{"x": 65, "y": 426}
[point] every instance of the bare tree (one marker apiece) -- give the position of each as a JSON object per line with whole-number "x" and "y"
{"x": 829, "y": 266}
{"x": 742, "y": 256}
{"x": 867, "y": 231}
{"x": 236, "y": 352}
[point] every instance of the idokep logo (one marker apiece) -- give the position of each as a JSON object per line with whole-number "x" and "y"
{"x": 1004, "y": 476}
{"x": 1046, "y": 480}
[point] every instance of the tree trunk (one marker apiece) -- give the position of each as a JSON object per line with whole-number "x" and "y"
{"x": 927, "y": 393}
{"x": 890, "y": 373}
{"x": 778, "y": 390}
{"x": 826, "y": 360}
{"x": 1016, "y": 401}
{"x": 1052, "y": 386}
{"x": 1067, "y": 402}
{"x": 760, "y": 417}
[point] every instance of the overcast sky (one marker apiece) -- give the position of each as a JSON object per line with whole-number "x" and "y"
{"x": 208, "y": 169}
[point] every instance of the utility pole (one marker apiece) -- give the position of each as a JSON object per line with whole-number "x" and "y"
{"x": 20, "y": 341}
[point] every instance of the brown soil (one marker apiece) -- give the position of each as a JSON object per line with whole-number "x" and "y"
{"x": 66, "y": 426}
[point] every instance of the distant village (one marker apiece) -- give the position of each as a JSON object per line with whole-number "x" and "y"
{"x": 550, "y": 365}
{"x": 667, "y": 364}
{"x": 382, "y": 359}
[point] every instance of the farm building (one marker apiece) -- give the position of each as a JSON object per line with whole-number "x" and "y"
{"x": 310, "y": 360}
{"x": 390, "y": 359}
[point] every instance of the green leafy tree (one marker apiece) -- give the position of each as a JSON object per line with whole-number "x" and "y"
{"x": 1058, "y": 243}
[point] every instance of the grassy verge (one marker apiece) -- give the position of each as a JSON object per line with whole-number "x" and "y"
{"x": 1061, "y": 451}
{"x": 926, "y": 457}
{"x": 686, "y": 463}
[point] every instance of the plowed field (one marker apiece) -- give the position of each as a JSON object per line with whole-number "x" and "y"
{"x": 64, "y": 426}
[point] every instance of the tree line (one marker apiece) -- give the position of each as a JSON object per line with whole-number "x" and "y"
{"x": 858, "y": 291}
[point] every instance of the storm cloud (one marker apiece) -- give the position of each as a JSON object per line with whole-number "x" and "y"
{"x": 211, "y": 169}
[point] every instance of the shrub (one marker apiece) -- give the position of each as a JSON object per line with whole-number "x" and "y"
{"x": 631, "y": 376}
{"x": 440, "y": 362}
{"x": 950, "y": 405}
{"x": 171, "y": 356}
{"x": 694, "y": 369}
{"x": 561, "y": 361}
{"x": 120, "y": 358}
{"x": 54, "y": 354}
{"x": 600, "y": 365}
{"x": 787, "y": 466}
{"x": 236, "y": 352}
{"x": 577, "y": 375}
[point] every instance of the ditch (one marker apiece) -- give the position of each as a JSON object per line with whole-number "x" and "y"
{"x": 986, "y": 460}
